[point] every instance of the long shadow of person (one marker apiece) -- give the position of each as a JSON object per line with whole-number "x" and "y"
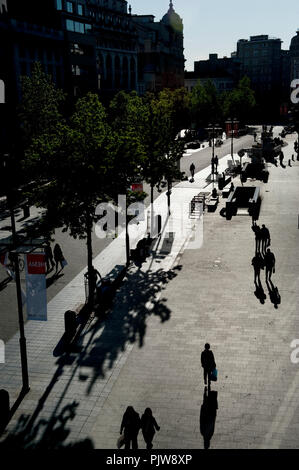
{"x": 258, "y": 264}
{"x": 273, "y": 294}
{"x": 260, "y": 293}
{"x": 208, "y": 413}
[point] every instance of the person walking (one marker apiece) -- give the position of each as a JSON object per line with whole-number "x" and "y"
{"x": 208, "y": 363}
{"x": 216, "y": 161}
{"x": 49, "y": 256}
{"x": 258, "y": 264}
{"x": 255, "y": 136}
{"x": 281, "y": 157}
{"x": 58, "y": 256}
{"x": 213, "y": 165}
{"x": 257, "y": 231}
{"x": 192, "y": 170}
{"x": 270, "y": 264}
{"x": 130, "y": 425}
{"x": 148, "y": 427}
{"x": 265, "y": 238}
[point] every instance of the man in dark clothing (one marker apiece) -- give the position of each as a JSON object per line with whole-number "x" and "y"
{"x": 257, "y": 230}
{"x": 265, "y": 238}
{"x": 258, "y": 264}
{"x": 49, "y": 256}
{"x": 130, "y": 424}
{"x": 213, "y": 165}
{"x": 208, "y": 363}
{"x": 192, "y": 169}
{"x": 58, "y": 256}
{"x": 281, "y": 157}
{"x": 216, "y": 161}
{"x": 270, "y": 264}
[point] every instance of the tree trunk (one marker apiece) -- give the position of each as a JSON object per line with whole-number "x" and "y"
{"x": 152, "y": 211}
{"x": 168, "y": 195}
{"x": 127, "y": 240}
{"x": 91, "y": 286}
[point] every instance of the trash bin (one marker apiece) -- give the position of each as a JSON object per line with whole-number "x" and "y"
{"x": 4, "y": 409}
{"x": 70, "y": 323}
{"x": 26, "y": 211}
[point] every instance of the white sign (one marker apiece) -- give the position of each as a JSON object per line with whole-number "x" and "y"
{"x": 36, "y": 288}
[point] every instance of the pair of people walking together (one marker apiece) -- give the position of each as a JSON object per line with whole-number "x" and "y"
{"x": 131, "y": 424}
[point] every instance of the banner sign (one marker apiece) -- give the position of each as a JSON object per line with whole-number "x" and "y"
{"x": 137, "y": 187}
{"x": 36, "y": 288}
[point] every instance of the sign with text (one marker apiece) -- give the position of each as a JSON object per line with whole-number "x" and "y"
{"x": 36, "y": 289}
{"x": 137, "y": 187}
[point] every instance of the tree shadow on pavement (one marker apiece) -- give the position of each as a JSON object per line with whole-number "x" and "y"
{"x": 45, "y": 434}
{"x": 136, "y": 300}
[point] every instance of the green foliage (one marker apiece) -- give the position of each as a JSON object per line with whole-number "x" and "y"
{"x": 41, "y": 102}
{"x": 127, "y": 116}
{"x": 205, "y": 104}
{"x": 240, "y": 101}
{"x": 73, "y": 162}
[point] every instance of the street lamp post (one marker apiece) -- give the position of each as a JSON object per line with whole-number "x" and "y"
{"x": 232, "y": 122}
{"x": 22, "y": 340}
{"x": 212, "y": 129}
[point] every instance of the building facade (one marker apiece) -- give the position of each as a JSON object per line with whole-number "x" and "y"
{"x": 294, "y": 57}
{"x": 92, "y": 45}
{"x": 160, "y": 51}
{"x": 224, "y": 73}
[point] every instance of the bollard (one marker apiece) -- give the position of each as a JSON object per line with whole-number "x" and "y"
{"x": 70, "y": 323}
{"x": 26, "y": 211}
{"x": 4, "y": 409}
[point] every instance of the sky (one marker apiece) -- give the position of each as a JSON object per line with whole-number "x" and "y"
{"x": 214, "y": 26}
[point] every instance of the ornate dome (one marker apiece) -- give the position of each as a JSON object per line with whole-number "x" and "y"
{"x": 173, "y": 19}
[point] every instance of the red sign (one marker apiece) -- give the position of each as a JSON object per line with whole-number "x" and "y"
{"x": 36, "y": 264}
{"x": 138, "y": 187}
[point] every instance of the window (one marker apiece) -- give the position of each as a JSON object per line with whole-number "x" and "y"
{"x": 59, "y": 4}
{"x": 70, "y": 25}
{"x": 75, "y": 70}
{"x": 80, "y": 9}
{"x": 87, "y": 28}
{"x": 79, "y": 27}
{"x": 69, "y": 7}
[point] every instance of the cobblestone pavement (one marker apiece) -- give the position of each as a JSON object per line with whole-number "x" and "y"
{"x": 147, "y": 352}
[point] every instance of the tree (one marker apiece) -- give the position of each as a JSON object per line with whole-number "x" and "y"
{"x": 180, "y": 102}
{"x": 39, "y": 111}
{"x": 240, "y": 101}
{"x": 205, "y": 104}
{"x": 163, "y": 149}
{"x": 73, "y": 161}
{"x": 127, "y": 116}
